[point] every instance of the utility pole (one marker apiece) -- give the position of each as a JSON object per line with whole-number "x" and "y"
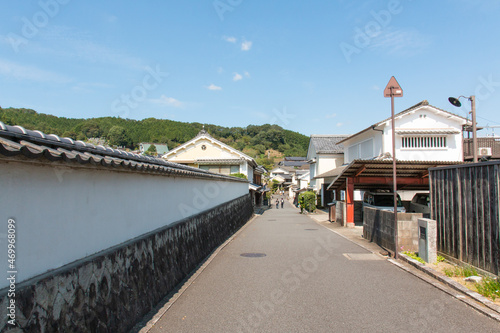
{"x": 455, "y": 102}
{"x": 392, "y": 90}
{"x": 474, "y": 127}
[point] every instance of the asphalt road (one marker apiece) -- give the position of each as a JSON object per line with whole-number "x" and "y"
{"x": 311, "y": 280}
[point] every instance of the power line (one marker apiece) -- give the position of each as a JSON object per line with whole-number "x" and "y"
{"x": 492, "y": 121}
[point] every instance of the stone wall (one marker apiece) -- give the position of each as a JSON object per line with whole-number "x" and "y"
{"x": 112, "y": 290}
{"x": 378, "y": 227}
{"x": 340, "y": 213}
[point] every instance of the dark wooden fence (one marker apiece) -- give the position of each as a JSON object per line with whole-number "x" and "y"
{"x": 465, "y": 203}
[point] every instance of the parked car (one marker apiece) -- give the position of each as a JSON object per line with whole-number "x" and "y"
{"x": 382, "y": 200}
{"x": 421, "y": 203}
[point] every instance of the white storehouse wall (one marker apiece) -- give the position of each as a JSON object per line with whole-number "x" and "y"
{"x": 64, "y": 214}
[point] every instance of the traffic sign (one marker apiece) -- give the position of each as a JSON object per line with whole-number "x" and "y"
{"x": 393, "y": 89}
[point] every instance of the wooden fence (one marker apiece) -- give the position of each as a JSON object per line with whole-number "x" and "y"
{"x": 465, "y": 203}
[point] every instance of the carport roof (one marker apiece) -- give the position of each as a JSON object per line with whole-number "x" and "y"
{"x": 370, "y": 174}
{"x": 332, "y": 173}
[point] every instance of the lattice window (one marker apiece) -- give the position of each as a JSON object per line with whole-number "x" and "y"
{"x": 423, "y": 142}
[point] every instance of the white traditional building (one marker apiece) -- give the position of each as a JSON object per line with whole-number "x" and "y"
{"x": 423, "y": 133}
{"x": 303, "y": 180}
{"x": 324, "y": 154}
{"x": 207, "y": 153}
{"x": 425, "y": 137}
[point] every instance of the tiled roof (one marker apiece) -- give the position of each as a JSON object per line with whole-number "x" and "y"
{"x": 293, "y": 163}
{"x": 295, "y": 158}
{"x": 327, "y": 144}
{"x": 221, "y": 161}
{"x": 15, "y": 141}
{"x": 331, "y": 173}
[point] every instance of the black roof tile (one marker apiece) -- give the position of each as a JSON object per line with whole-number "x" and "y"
{"x": 17, "y": 141}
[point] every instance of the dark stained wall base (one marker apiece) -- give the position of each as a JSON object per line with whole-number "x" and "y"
{"x": 112, "y": 290}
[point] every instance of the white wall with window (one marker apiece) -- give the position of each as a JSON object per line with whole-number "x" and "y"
{"x": 423, "y": 133}
{"x": 365, "y": 146}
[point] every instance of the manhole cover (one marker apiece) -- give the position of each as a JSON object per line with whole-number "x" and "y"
{"x": 310, "y": 229}
{"x": 253, "y": 255}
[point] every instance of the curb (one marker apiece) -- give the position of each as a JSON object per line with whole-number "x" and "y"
{"x": 492, "y": 311}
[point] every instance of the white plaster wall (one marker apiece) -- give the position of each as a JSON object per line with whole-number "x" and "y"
{"x": 426, "y": 119}
{"x": 377, "y": 144}
{"x": 249, "y": 173}
{"x": 328, "y": 162}
{"x": 324, "y": 163}
{"x": 65, "y": 214}
{"x": 423, "y": 118}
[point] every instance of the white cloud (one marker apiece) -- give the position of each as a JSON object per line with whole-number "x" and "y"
{"x": 229, "y": 39}
{"x": 213, "y": 87}
{"x": 168, "y": 101}
{"x": 30, "y": 73}
{"x": 401, "y": 42}
{"x": 246, "y": 45}
{"x": 247, "y": 74}
{"x": 332, "y": 115}
{"x": 72, "y": 43}
{"x": 340, "y": 124}
{"x": 237, "y": 77}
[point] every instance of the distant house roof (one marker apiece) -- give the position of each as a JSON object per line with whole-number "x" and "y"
{"x": 292, "y": 163}
{"x": 19, "y": 143}
{"x": 327, "y": 144}
{"x": 161, "y": 148}
{"x": 424, "y": 103}
{"x": 260, "y": 169}
{"x": 295, "y": 158}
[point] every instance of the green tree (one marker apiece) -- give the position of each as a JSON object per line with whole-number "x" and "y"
{"x": 69, "y": 134}
{"x": 151, "y": 151}
{"x": 275, "y": 185}
{"x": 117, "y": 136}
{"x": 91, "y": 129}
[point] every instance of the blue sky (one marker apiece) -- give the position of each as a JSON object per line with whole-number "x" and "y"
{"x": 315, "y": 67}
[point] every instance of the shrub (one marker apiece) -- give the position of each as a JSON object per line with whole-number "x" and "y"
{"x": 307, "y": 201}
{"x": 239, "y": 175}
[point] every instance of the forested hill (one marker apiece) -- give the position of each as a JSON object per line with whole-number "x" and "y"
{"x": 252, "y": 140}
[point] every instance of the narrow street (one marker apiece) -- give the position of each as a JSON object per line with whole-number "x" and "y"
{"x": 286, "y": 273}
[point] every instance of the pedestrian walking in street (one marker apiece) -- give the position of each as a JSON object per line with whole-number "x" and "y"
{"x": 277, "y": 203}
{"x": 282, "y": 202}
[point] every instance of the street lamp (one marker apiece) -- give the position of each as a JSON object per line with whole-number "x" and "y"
{"x": 455, "y": 102}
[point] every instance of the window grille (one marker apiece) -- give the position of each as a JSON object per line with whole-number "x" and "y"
{"x": 423, "y": 142}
